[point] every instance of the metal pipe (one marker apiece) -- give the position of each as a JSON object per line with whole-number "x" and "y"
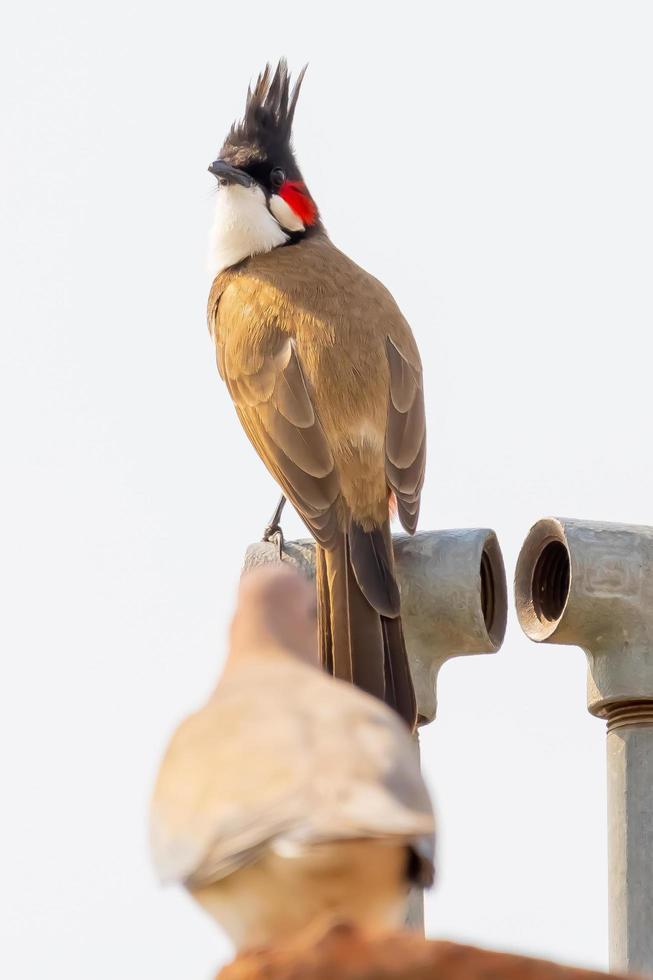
{"x": 591, "y": 585}
{"x": 453, "y": 598}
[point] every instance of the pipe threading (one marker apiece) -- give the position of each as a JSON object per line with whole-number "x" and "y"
{"x": 488, "y": 601}
{"x": 629, "y": 714}
{"x": 550, "y": 585}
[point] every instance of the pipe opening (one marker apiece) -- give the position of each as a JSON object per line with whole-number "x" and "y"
{"x": 492, "y": 591}
{"x": 550, "y": 585}
{"x": 488, "y": 598}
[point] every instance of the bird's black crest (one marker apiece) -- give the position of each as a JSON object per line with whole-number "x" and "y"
{"x": 265, "y": 130}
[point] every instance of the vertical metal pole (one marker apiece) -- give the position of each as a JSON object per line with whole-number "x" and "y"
{"x": 630, "y": 839}
{"x": 415, "y": 908}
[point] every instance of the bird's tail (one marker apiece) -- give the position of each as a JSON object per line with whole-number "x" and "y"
{"x": 360, "y": 634}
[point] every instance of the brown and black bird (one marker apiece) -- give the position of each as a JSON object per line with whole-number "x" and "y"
{"x": 326, "y": 379}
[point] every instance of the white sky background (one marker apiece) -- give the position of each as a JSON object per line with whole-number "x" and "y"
{"x": 492, "y": 163}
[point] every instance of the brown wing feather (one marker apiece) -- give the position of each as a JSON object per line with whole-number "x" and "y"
{"x": 405, "y": 438}
{"x": 275, "y": 408}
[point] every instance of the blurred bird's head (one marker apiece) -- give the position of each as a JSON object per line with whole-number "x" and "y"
{"x": 262, "y": 199}
{"x": 276, "y": 609}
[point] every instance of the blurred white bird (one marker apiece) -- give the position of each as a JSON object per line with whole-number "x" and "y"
{"x": 290, "y": 798}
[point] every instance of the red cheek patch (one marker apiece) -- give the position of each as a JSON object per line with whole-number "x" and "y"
{"x": 297, "y": 197}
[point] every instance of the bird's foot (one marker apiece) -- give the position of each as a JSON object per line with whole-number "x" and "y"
{"x": 273, "y": 530}
{"x": 274, "y": 534}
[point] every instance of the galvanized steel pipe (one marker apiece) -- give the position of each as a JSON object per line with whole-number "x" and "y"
{"x": 591, "y": 585}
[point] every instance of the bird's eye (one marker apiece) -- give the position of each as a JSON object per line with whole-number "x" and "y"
{"x": 277, "y": 177}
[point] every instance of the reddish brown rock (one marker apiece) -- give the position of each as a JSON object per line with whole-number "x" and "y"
{"x": 343, "y": 953}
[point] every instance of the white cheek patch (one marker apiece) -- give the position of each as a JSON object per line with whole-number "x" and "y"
{"x": 285, "y": 214}
{"x": 242, "y": 226}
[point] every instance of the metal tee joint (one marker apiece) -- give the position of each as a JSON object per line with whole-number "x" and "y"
{"x": 453, "y": 598}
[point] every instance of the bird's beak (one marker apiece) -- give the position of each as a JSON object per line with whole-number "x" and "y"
{"x": 227, "y": 174}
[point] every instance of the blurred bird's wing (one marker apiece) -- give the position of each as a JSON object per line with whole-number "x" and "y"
{"x": 405, "y": 439}
{"x": 285, "y": 754}
{"x": 366, "y": 774}
{"x": 232, "y": 780}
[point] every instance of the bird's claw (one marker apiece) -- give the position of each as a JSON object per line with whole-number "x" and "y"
{"x": 273, "y": 530}
{"x": 273, "y": 533}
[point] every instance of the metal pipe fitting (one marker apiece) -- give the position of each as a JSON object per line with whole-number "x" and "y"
{"x": 591, "y": 585}
{"x": 453, "y": 598}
